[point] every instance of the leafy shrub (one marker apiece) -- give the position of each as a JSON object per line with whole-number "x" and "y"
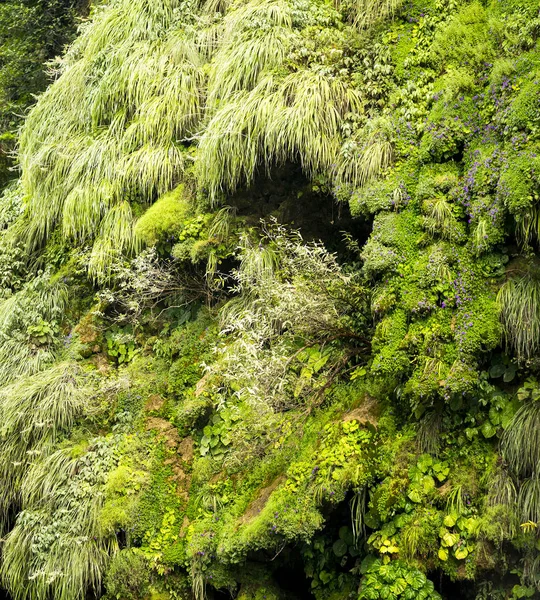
{"x": 128, "y": 576}
{"x": 394, "y": 580}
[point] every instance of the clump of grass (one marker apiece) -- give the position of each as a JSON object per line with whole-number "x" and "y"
{"x": 130, "y": 89}
{"x": 429, "y": 430}
{"x": 366, "y": 156}
{"x": 439, "y": 218}
{"x": 521, "y": 440}
{"x": 366, "y": 13}
{"x": 297, "y": 117}
{"x": 529, "y": 499}
{"x": 57, "y": 548}
{"x": 246, "y": 51}
{"x": 33, "y": 411}
{"x": 519, "y": 300}
{"x": 502, "y": 489}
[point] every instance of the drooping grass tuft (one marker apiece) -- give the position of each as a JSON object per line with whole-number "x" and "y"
{"x": 247, "y": 51}
{"x": 297, "y": 118}
{"x": 358, "y": 507}
{"x": 429, "y": 430}
{"x": 519, "y": 300}
{"x": 57, "y": 548}
{"x": 365, "y": 157}
{"x": 439, "y": 218}
{"x": 130, "y": 89}
{"x": 33, "y": 411}
{"x": 529, "y": 499}
{"x": 502, "y": 489}
{"x": 117, "y": 236}
{"x": 366, "y": 13}
{"x": 521, "y": 441}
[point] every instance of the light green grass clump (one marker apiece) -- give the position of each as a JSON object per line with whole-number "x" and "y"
{"x": 109, "y": 129}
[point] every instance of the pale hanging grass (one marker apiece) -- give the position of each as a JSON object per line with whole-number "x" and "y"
{"x": 247, "y": 51}
{"x": 132, "y": 87}
{"x": 239, "y": 65}
{"x": 439, "y": 218}
{"x": 232, "y": 144}
{"x": 366, "y": 13}
{"x": 365, "y": 157}
{"x": 274, "y": 12}
{"x": 480, "y": 235}
{"x": 83, "y": 210}
{"x": 519, "y": 301}
{"x": 117, "y": 236}
{"x": 307, "y": 125}
{"x": 520, "y": 443}
{"x": 33, "y": 411}
{"x": 294, "y": 118}
{"x": 57, "y": 548}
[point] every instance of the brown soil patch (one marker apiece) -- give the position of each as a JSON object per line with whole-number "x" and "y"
{"x": 185, "y": 525}
{"x": 86, "y": 330}
{"x": 445, "y": 489}
{"x": 185, "y": 449}
{"x": 367, "y": 412}
{"x": 182, "y": 454}
{"x": 154, "y": 403}
{"x": 165, "y": 430}
{"x": 101, "y": 362}
{"x": 260, "y": 502}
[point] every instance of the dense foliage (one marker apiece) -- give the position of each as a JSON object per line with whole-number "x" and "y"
{"x": 270, "y": 301}
{"x": 32, "y": 32}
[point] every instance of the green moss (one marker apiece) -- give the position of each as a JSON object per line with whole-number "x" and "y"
{"x": 165, "y": 218}
{"x": 470, "y": 38}
{"x": 518, "y": 182}
{"x": 525, "y": 112}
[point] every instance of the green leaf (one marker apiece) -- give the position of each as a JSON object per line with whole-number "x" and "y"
{"x": 471, "y": 433}
{"x": 399, "y": 586}
{"x": 510, "y": 374}
{"x": 488, "y": 430}
{"x": 443, "y": 554}
{"x": 450, "y": 539}
{"x": 424, "y": 462}
{"x": 339, "y": 548}
{"x": 346, "y": 534}
{"x": 325, "y": 577}
{"x": 428, "y": 484}
{"x": 494, "y": 416}
{"x": 497, "y": 371}
{"x": 449, "y": 520}
{"x": 415, "y": 496}
{"x": 461, "y": 553}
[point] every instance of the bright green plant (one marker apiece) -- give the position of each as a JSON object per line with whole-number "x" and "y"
{"x": 393, "y": 580}
{"x": 519, "y": 299}
{"x": 121, "y": 345}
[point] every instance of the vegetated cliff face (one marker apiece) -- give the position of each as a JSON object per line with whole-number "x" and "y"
{"x": 197, "y": 402}
{"x": 32, "y": 32}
